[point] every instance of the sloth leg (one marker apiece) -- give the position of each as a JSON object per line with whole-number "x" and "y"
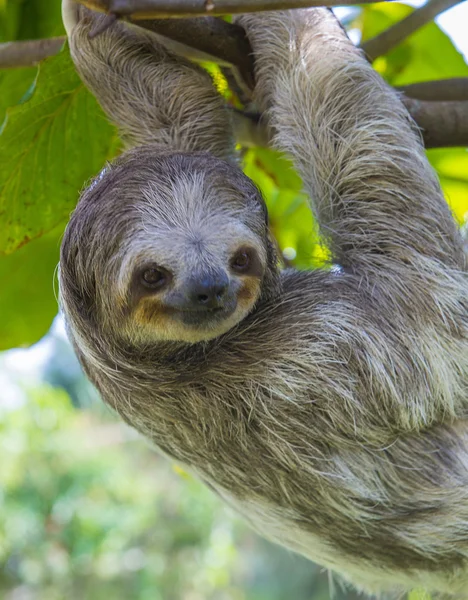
{"x": 152, "y": 95}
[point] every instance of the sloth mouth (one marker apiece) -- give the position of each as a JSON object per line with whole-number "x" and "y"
{"x": 206, "y": 317}
{"x": 200, "y": 310}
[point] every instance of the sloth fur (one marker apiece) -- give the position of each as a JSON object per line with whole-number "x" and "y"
{"x": 327, "y": 407}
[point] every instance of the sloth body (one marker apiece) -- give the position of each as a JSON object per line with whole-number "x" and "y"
{"x": 328, "y": 407}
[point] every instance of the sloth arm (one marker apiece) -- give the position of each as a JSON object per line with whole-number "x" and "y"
{"x": 373, "y": 191}
{"x": 398, "y": 312}
{"x": 152, "y": 95}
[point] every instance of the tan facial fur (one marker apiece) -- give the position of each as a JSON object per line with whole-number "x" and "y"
{"x": 153, "y": 321}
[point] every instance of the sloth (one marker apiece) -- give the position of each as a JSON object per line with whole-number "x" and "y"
{"x": 329, "y": 407}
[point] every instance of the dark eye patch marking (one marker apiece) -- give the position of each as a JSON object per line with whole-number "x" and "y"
{"x": 245, "y": 261}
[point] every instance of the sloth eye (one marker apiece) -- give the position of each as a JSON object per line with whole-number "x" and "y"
{"x": 154, "y": 277}
{"x": 241, "y": 261}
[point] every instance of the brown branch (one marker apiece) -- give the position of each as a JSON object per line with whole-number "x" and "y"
{"x": 391, "y": 37}
{"x": 223, "y": 42}
{"x": 441, "y": 90}
{"x": 210, "y": 39}
{"x": 27, "y": 54}
{"x": 156, "y": 9}
{"x": 443, "y": 124}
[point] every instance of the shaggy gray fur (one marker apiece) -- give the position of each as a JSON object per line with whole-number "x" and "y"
{"x": 330, "y": 409}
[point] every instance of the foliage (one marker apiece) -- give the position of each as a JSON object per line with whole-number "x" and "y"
{"x": 50, "y": 145}
{"x": 419, "y": 595}
{"x": 54, "y": 138}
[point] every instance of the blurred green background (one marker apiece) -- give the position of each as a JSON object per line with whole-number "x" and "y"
{"x": 87, "y": 509}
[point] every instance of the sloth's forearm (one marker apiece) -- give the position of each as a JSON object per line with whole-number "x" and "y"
{"x": 372, "y": 188}
{"x": 149, "y": 93}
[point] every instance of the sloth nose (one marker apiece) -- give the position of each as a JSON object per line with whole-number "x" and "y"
{"x": 209, "y": 292}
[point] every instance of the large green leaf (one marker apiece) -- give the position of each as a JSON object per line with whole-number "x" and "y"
{"x": 15, "y": 86}
{"x": 27, "y": 299}
{"x": 49, "y": 147}
{"x": 452, "y": 166}
{"x": 427, "y": 54}
{"x": 10, "y": 15}
{"x": 290, "y": 217}
{"x": 39, "y": 19}
{"x": 30, "y": 19}
{"x": 419, "y": 595}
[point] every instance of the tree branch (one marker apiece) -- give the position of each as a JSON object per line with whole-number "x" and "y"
{"x": 443, "y": 124}
{"x": 210, "y": 39}
{"x": 391, "y": 37}
{"x": 217, "y": 40}
{"x": 156, "y": 9}
{"x": 443, "y": 89}
{"x": 27, "y": 54}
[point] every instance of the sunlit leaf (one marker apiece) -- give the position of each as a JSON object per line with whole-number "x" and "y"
{"x": 40, "y": 19}
{"x": 49, "y": 147}
{"x": 290, "y": 217}
{"x": 15, "y": 86}
{"x": 27, "y": 299}
{"x": 419, "y": 595}
{"x": 279, "y": 168}
{"x": 427, "y": 54}
{"x": 452, "y": 166}
{"x": 10, "y": 14}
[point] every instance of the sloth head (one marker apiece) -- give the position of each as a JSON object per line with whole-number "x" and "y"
{"x": 166, "y": 247}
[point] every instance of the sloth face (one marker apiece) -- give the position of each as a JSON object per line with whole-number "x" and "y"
{"x": 190, "y": 282}
{"x": 166, "y": 248}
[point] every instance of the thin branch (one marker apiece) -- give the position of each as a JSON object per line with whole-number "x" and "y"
{"x": 27, "y": 54}
{"x": 441, "y": 90}
{"x": 223, "y": 42}
{"x": 391, "y": 37}
{"x": 210, "y": 39}
{"x": 443, "y": 124}
{"x": 157, "y": 9}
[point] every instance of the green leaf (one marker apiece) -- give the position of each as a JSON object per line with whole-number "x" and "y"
{"x": 39, "y": 19}
{"x": 419, "y": 595}
{"x": 433, "y": 56}
{"x": 427, "y": 54}
{"x": 30, "y": 19}
{"x": 27, "y": 301}
{"x": 279, "y": 168}
{"x": 15, "y": 86}
{"x": 291, "y": 220}
{"x": 49, "y": 147}
{"x": 10, "y": 14}
{"x": 452, "y": 167}
{"x": 373, "y": 21}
